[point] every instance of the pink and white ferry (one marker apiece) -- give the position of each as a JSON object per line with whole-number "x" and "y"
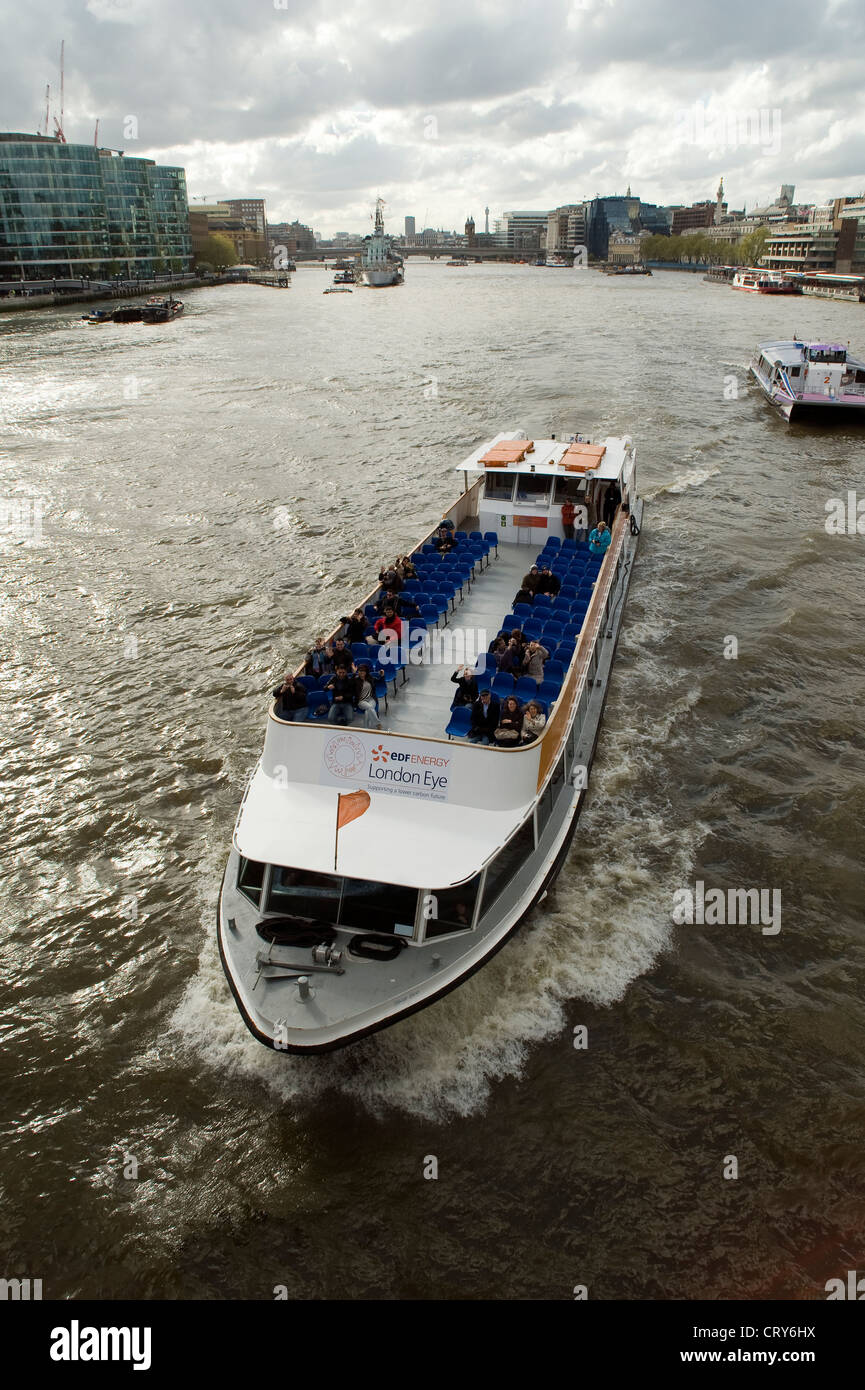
{"x": 810, "y": 378}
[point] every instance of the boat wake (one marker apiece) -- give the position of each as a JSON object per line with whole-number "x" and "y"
{"x": 695, "y": 477}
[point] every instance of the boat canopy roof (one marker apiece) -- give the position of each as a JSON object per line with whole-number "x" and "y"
{"x": 791, "y": 351}
{"x": 514, "y": 453}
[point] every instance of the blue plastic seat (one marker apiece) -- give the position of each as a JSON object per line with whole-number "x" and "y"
{"x": 526, "y": 688}
{"x": 522, "y": 610}
{"x": 554, "y": 670}
{"x": 569, "y": 544}
{"x": 552, "y": 633}
{"x": 503, "y": 685}
{"x": 533, "y": 628}
{"x": 308, "y": 682}
{"x": 314, "y": 701}
{"x": 568, "y": 591}
{"x": 492, "y": 538}
{"x": 461, "y": 535}
{"x": 442, "y": 602}
{"x": 485, "y": 679}
{"x": 549, "y": 690}
{"x": 459, "y": 723}
{"x": 553, "y": 543}
{"x": 430, "y": 614}
{"x": 411, "y": 585}
{"x": 542, "y": 601}
{"x": 571, "y": 630}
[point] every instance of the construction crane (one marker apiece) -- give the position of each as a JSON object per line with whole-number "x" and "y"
{"x": 47, "y": 107}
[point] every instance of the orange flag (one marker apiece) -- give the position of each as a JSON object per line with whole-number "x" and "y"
{"x": 349, "y": 805}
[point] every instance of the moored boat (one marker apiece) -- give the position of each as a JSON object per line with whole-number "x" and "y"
{"x": 814, "y": 378}
{"x": 764, "y": 282}
{"x": 372, "y": 871}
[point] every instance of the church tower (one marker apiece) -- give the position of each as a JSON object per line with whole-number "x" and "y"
{"x": 470, "y": 230}
{"x": 719, "y": 208}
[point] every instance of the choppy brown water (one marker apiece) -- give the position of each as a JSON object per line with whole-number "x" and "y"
{"x": 212, "y": 491}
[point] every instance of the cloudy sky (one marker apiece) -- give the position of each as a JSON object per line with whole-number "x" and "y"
{"x": 456, "y": 104}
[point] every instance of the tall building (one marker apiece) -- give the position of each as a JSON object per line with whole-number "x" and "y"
{"x": 250, "y": 210}
{"x": 409, "y": 228}
{"x": 522, "y": 231}
{"x": 72, "y": 211}
{"x": 697, "y": 216}
{"x": 566, "y": 228}
{"x": 487, "y": 223}
{"x": 249, "y": 243}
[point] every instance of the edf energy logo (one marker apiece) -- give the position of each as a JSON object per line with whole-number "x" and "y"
{"x": 380, "y": 754}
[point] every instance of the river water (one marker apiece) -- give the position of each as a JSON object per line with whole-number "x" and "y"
{"x": 214, "y": 490}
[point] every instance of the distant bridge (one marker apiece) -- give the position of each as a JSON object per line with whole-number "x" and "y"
{"x": 434, "y": 253}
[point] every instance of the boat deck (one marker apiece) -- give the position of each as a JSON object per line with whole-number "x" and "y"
{"x": 422, "y": 705}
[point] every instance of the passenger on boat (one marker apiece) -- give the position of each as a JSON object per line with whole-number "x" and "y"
{"x": 467, "y": 687}
{"x": 568, "y": 513}
{"x": 510, "y": 725}
{"x": 389, "y": 599}
{"x": 534, "y": 720}
{"x": 444, "y": 541}
{"x": 404, "y": 567}
{"x": 532, "y": 580}
{"x": 533, "y": 660}
{"x": 611, "y": 502}
{"x": 366, "y": 698}
{"x": 523, "y": 596}
{"x": 318, "y": 660}
{"x": 511, "y": 659}
{"x": 387, "y": 626}
{"x": 290, "y": 700}
{"x": 599, "y": 539}
{"x": 390, "y": 578}
{"x": 357, "y": 628}
{"x": 344, "y": 684}
{"x": 485, "y": 718}
{"x": 341, "y": 654}
{"x": 406, "y": 607}
{"x": 549, "y": 583}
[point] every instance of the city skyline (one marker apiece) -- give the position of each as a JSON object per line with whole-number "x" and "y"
{"x": 464, "y": 110}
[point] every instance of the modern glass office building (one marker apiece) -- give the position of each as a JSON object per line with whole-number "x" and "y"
{"x": 73, "y": 211}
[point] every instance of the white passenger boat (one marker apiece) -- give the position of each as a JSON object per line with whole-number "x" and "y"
{"x": 371, "y": 872}
{"x": 380, "y": 264}
{"x": 764, "y": 282}
{"x": 810, "y": 378}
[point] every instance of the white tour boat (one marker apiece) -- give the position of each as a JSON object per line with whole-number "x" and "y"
{"x": 764, "y": 282}
{"x": 372, "y": 871}
{"x": 812, "y": 378}
{"x": 380, "y": 264}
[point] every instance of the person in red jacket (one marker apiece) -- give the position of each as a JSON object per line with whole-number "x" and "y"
{"x": 568, "y": 514}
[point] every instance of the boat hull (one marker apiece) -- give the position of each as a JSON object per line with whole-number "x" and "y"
{"x": 812, "y": 407}
{"x": 529, "y": 885}
{"x": 380, "y": 279}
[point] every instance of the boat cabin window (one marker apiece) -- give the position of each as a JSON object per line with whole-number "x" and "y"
{"x": 827, "y": 354}
{"x": 550, "y": 795}
{"x": 794, "y": 371}
{"x": 382, "y": 907}
{"x": 508, "y": 862}
{"x": 356, "y": 904}
{"x": 860, "y": 378}
{"x": 250, "y": 877}
{"x": 499, "y": 485}
{"x": 299, "y": 893}
{"x": 533, "y": 487}
{"x": 448, "y": 910}
{"x": 568, "y": 489}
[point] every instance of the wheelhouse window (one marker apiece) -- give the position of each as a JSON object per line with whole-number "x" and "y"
{"x": 381, "y": 907}
{"x": 354, "y": 903}
{"x": 533, "y": 487}
{"x": 499, "y": 486}
{"x": 508, "y": 862}
{"x": 448, "y": 910}
{"x": 250, "y": 877}
{"x": 299, "y": 893}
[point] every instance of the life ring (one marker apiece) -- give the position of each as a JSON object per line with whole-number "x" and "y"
{"x": 295, "y": 931}
{"x": 370, "y": 946}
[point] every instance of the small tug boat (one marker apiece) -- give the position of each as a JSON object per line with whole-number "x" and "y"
{"x": 372, "y": 870}
{"x": 161, "y": 310}
{"x": 810, "y": 378}
{"x": 98, "y": 316}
